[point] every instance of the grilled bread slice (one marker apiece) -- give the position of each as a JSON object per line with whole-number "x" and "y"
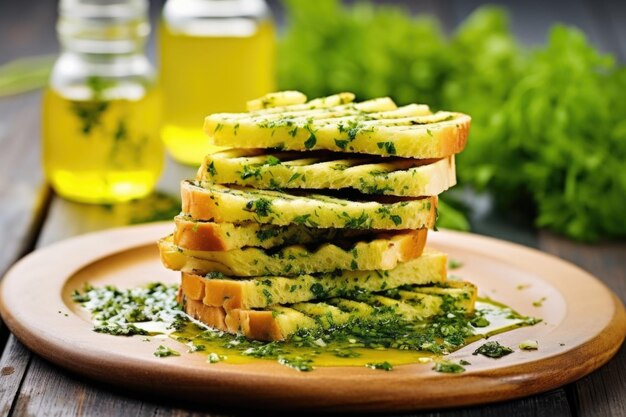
{"x": 211, "y": 236}
{"x": 383, "y": 129}
{"x": 280, "y": 322}
{"x": 382, "y": 252}
{"x": 319, "y": 170}
{"x": 237, "y": 204}
{"x": 217, "y": 291}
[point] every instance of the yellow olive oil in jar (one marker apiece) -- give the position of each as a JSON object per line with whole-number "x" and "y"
{"x": 101, "y": 111}
{"x": 214, "y": 56}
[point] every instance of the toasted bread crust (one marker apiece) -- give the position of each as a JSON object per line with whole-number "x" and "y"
{"x": 199, "y": 236}
{"x": 192, "y": 286}
{"x": 256, "y": 325}
{"x": 278, "y": 323}
{"x": 211, "y": 316}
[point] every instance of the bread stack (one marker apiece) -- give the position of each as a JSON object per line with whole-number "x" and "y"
{"x": 317, "y": 216}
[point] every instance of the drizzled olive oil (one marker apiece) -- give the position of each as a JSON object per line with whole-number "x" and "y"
{"x": 101, "y": 151}
{"x": 210, "y": 64}
{"x": 154, "y": 311}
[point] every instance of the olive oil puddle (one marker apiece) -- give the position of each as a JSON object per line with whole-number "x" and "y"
{"x": 153, "y": 311}
{"x": 352, "y": 352}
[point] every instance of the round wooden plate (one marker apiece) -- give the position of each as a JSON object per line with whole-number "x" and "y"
{"x": 584, "y": 324}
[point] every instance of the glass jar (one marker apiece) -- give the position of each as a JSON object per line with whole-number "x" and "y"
{"x": 101, "y": 111}
{"x": 214, "y": 56}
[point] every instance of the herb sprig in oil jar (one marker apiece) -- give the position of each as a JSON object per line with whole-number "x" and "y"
{"x": 101, "y": 111}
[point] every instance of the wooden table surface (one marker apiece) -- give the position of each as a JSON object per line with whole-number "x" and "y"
{"x": 31, "y": 216}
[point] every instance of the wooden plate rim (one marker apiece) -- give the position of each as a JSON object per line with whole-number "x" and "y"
{"x": 224, "y": 383}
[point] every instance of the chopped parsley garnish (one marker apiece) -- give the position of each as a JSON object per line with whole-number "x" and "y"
{"x": 272, "y": 160}
{"x": 480, "y": 321}
{"x": 360, "y": 222}
{"x": 117, "y": 329}
{"x": 448, "y": 367}
{"x": 310, "y": 142}
{"x": 318, "y": 290}
{"x": 383, "y": 366}
{"x": 214, "y": 358}
{"x": 298, "y": 363}
{"x": 539, "y": 302}
{"x": 453, "y": 263}
{"x": 262, "y": 206}
{"x": 396, "y": 219}
{"x": 116, "y": 311}
{"x": 493, "y": 350}
{"x": 341, "y": 143}
{"x": 164, "y": 352}
{"x": 389, "y": 147}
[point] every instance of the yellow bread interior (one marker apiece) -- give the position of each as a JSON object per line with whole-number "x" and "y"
{"x": 258, "y": 292}
{"x": 237, "y": 204}
{"x": 263, "y": 169}
{"x": 383, "y": 252}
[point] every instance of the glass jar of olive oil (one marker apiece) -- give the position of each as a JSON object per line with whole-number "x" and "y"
{"x": 101, "y": 111}
{"x": 214, "y": 56}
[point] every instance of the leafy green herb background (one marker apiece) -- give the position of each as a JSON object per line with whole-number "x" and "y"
{"x": 548, "y": 131}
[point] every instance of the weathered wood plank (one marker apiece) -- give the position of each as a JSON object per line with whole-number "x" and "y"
{"x": 602, "y": 392}
{"x": 24, "y": 195}
{"x": 550, "y": 404}
{"x": 21, "y": 181}
{"x": 68, "y": 395}
{"x": 13, "y": 364}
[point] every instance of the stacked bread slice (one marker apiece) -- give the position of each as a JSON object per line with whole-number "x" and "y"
{"x": 317, "y": 217}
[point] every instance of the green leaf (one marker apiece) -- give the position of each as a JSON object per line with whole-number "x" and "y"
{"x": 25, "y": 74}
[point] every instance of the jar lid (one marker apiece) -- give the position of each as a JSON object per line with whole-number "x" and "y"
{"x": 103, "y": 26}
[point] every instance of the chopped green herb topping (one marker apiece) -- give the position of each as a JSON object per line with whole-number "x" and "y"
{"x": 389, "y": 147}
{"x": 539, "y": 302}
{"x": 383, "y": 366}
{"x": 493, "y": 350}
{"x": 115, "y": 311}
{"x": 529, "y": 345}
{"x": 341, "y": 143}
{"x": 214, "y": 358}
{"x": 164, "y": 352}
{"x": 117, "y": 329}
{"x": 454, "y": 264}
{"x": 298, "y": 363}
{"x": 272, "y": 160}
{"x": 448, "y": 367}
{"x": 480, "y": 321}
{"x": 262, "y": 206}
